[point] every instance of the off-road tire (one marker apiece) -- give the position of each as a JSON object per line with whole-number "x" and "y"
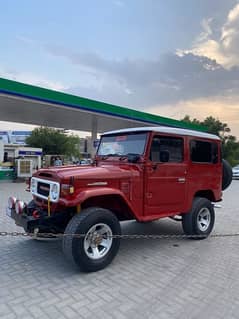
{"x": 190, "y": 220}
{"x": 73, "y": 246}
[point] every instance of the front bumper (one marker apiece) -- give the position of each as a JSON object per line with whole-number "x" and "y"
{"x": 47, "y": 224}
{"x": 22, "y": 220}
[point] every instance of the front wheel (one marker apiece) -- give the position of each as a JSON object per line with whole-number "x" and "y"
{"x": 199, "y": 222}
{"x": 95, "y": 246}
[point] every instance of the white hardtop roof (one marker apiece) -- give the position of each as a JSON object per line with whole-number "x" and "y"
{"x": 165, "y": 129}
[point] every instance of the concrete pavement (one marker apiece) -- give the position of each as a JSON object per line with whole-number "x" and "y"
{"x": 163, "y": 278}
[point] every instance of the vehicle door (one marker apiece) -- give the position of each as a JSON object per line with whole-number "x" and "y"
{"x": 166, "y": 176}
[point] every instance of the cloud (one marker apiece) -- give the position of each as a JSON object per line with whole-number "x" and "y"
{"x": 230, "y": 33}
{"x": 30, "y": 78}
{"x": 142, "y": 83}
{"x": 168, "y": 79}
{"x": 225, "y": 109}
{"x": 171, "y": 85}
{"x": 119, "y": 3}
{"x": 26, "y": 40}
{"x": 223, "y": 48}
{"x": 207, "y": 30}
{"x": 201, "y": 80}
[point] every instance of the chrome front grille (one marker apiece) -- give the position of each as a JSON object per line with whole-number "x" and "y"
{"x": 43, "y": 189}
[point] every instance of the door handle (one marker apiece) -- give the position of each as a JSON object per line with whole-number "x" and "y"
{"x": 181, "y": 179}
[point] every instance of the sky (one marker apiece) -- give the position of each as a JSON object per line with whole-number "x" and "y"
{"x": 170, "y": 58}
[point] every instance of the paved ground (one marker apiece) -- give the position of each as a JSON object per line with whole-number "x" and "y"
{"x": 166, "y": 278}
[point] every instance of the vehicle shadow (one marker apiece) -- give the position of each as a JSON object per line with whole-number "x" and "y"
{"x": 163, "y": 227}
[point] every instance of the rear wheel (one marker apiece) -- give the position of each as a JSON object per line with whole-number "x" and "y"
{"x": 199, "y": 222}
{"x": 95, "y": 248}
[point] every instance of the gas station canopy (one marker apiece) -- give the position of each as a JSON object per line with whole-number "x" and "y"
{"x": 30, "y": 104}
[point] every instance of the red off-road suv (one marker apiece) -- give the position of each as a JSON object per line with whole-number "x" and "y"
{"x": 144, "y": 174}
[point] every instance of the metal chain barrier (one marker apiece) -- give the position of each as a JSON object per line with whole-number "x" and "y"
{"x": 130, "y": 236}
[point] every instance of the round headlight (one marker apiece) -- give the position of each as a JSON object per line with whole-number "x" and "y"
{"x": 11, "y": 202}
{"x": 33, "y": 185}
{"x": 54, "y": 191}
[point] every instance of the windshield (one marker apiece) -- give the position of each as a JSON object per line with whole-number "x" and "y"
{"x": 123, "y": 144}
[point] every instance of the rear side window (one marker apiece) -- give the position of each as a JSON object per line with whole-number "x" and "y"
{"x": 172, "y": 145}
{"x": 203, "y": 152}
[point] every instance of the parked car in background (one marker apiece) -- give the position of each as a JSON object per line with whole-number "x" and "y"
{"x": 235, "y": 172}
{"x": 86, "y": 161}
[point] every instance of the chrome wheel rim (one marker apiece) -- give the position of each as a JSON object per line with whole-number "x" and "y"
{"x": 203, "y": 219}
{"x": 98, "y": 241}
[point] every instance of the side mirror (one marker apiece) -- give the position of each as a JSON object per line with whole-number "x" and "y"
{"x": 164, "y": 156}
{"x": 133, "y": 158}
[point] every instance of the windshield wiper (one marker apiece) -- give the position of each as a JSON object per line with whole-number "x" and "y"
{"x": 106, "y": 156}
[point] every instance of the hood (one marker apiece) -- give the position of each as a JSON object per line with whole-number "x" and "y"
{"x": 85, "y": 172}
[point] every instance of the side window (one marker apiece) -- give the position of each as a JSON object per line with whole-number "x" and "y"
{"x": 215, "y": 155}
{"x": 167, "y": 149}
{"x": 203, "y": 152}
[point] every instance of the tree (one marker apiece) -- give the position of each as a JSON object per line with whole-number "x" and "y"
{"x": 230, "y": 145}
{"x": 54, "y": 141}
{"x": 213, "y": 126}
{"x": 216, "y": 127}
{"x": 187, "y": 119}
{"x": 230, "y": 149}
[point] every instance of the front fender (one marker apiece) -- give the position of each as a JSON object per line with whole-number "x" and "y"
{"x": 93, "y": 192}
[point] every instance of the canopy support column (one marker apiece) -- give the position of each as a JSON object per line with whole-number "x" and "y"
{"x": 94, "y": 129}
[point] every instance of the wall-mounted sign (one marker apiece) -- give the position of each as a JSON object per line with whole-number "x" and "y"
{"x": 24, "y": 153}
{"x": 19, "y": 137}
